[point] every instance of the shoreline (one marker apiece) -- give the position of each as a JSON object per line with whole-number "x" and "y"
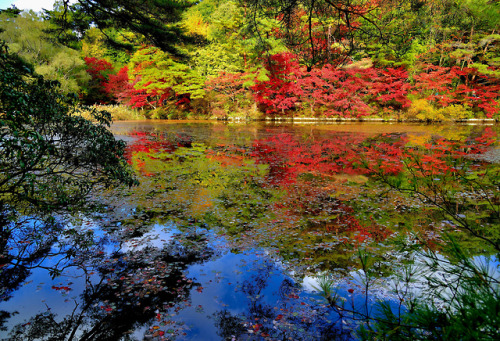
{"x": 486, "y": 121}
{"x": 321, "y": 120}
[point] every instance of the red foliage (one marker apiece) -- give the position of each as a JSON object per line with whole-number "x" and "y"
{"x": 228, "y": 85}
{"x": 280, "y": 92}
{"x": 119, "y": 86}
{"x": 99, "y": 70}
{"x": 340, "y": 92}
{"x": 353, "y": 92}
{"x": 390, "y": 87}
{"x": 147, "y": 97}
{"x": 445, "y": 86}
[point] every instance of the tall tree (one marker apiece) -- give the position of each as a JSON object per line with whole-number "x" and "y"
{"x": 318, "y": 31}
{"x": 157, "y": 77}
{"x": 155, "y": 20}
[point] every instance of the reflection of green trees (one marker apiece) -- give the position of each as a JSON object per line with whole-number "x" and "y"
{"x": 450, "y": 293}
{"x": 23, "y": 245}
{"x": 316, "y": 221}
{"x": 451, "y": 179}
{"x": 205, "y": 186}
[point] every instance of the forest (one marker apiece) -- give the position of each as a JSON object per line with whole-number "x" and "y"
{"x": 424, "y": 60}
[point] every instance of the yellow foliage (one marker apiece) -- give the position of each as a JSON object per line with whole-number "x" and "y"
{"x": 118, "y": 112}
{"x": 457, "y": 112}
{"x": 93, "y": 44}
{"x": 194, "y": 24}
{"x": 423, "y": 110}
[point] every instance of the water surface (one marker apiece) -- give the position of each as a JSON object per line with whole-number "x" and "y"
{"x": 232, "y": 234}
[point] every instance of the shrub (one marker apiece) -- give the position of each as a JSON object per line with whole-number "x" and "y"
{"x": 423, "y": 110}
{"x": 117, "y": 112}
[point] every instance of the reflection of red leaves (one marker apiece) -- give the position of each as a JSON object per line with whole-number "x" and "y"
{"x": 227, "y": 158}
{"x": 106, "y": 308}
{"x": 350, "y": 290}
{"x": 199, "y": 289}
{"x": 256, "y": 327}
{"x": 64, "y": 288}
{"x": 148, "y": 144}
{"x": 279, "y": 317}
{"x": 288, "y": 156}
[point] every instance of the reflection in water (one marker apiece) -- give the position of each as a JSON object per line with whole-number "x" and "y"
{"x": 249, "y": 296}
{"x": 122, "y": 292}
{"x": 231, "y": 235}
{"x": 24, "y": 243}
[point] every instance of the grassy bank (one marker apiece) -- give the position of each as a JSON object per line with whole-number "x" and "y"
{"x": 125, "y": 113}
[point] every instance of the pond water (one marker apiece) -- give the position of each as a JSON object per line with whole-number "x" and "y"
{"x": 241, "y": 232}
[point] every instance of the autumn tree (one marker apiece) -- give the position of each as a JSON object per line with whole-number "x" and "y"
{"x": 119, "y": 87}
{"x": 99, "y": 71}
{"x": 157, "y": 77}
{"x": 320, "y": 31}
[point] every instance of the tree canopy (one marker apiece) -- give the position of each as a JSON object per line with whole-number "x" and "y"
{"x": 155, "y": 20}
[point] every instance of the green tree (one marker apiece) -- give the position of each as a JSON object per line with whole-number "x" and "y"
{"x": 25, "y": 35}
{"x": 228, "y": 48}
{"x": 155, "y": 20}
{"x": 160, "y": 77}
{"x": 444, "y": 32}
{"x": 51, "y": 159}
{"x": 94, "y": 45}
